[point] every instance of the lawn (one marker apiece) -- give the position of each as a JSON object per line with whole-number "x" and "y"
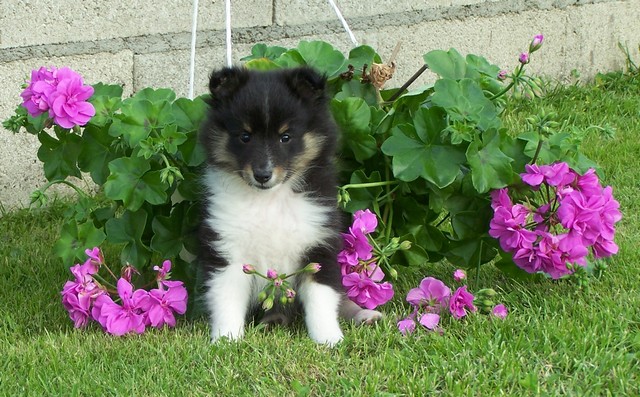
{"x": 558, "y": 339}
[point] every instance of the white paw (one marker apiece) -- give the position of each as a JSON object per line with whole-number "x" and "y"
{"x": 366, "y": 316}
{"x": 231, "y": 335}
{"x": 329, "y": 339}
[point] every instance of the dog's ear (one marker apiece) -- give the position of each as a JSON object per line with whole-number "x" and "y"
{"x": 307, "y": 84}
{"x": 226, "y": 82}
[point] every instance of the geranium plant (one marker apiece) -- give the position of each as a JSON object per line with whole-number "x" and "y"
{"x": 422, "y": 162}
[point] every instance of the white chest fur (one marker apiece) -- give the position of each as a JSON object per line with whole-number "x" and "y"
{"x": 265, "y": 228}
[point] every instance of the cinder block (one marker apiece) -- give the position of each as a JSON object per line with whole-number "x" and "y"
{"x": 295, "y": 12}
{"x": 20, "y": 170}
{"x": 34, "y": 22}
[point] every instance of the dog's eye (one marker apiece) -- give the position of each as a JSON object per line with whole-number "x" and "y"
{"x": 284, "y": 138}
{"x": 245, "y": 137}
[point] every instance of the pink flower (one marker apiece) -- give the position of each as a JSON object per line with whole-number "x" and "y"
{"x": 536, "y": 43}
{"x": 365, "y": 292}
{"x": 248, "y": 269}
{"x": 365, "y": 221}
{"x": 160, "y": 304}
{"x": 406, "y": 326}
{"x": 35, "y": 95}
{"x": 95, "y": 255}
{"x": 120, "y": 320}
{"x": 502, "y": 75}
{"x": 431, "y": 294}
{"x": 524, "y": 58}
{"x": 430, "y": 320}
{"x": 163, "y": 272}
{"x": 313, "y": 267}
{"x": 460, "y": 301}
{"x": 500, "y": 198}
{"x": 500, "y": 311}
{"x": 272, "y": 274}
{"x": 507, "y": 225}
{"x": 289, "y": 293}
{"x": 459, "y": 275}
{"x": 67, "y": 102}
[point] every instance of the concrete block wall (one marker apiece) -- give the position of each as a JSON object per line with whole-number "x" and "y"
{"x": 141, "y": 43}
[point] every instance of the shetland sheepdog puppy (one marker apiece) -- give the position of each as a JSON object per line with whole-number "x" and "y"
{"x": 270, "y": 201}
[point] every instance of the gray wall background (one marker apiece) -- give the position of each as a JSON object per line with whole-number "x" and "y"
{"x": 145, "y": 43}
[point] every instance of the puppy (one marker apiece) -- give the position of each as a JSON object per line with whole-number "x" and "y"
{"x": 270, "y": 183}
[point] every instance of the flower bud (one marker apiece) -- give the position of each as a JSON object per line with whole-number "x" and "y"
{"x": 524, "y": 58}
{"x": 277, "y": 282}
{"x": 486, "y": 292}
{"x": 127, "y": 272}
{"x": 289, "y": 293}
{"x": 284, "y": 300}
{"x": 268, "y": 303}
{"x": 405, "y": 245}
{"x": 262, "y": 296}
{"x": 313, "y": 267}
{"x": 536, "y": 43}
{"x": 248, "y": 269}
{"x": 502, "y": 75}
{"x": 393, "y": 273}
{"x": 459, "y": 275}
{"x": 272, "y": 274}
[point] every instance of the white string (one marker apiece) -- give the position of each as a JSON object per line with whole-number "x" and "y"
{"x": 345, "y": 25}
{"x": 227, "y": 10}
{"x": 192, "y": 63}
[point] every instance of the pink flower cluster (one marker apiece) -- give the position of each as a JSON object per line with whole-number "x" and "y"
{"x": 432, "y": 297}
{"x": 85, "y": 298}
{"x": 62, "y": 93}
{"x": 361, "y": 275}
{"x": 575, "y": 214}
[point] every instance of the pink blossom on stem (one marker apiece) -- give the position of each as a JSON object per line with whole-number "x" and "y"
{"x": 35, "y": 95}
{"x": 163, "y": 271}
{"x": 406, "y": 326}
{"x": 365, "y": 221}
{"x": 365, "y": 292}
{"x": 120, "y": 320}
{"x": 432, "y": 294}
{"x": 536, "y": 43}
{"x": 459, "y": 275}
{"x": 272, "y": 274}
{"x": 508, "y": 226}
{"x": 68, "y": 104}
{"x": 460, "y": 301}
{"x": 160, "y": 305}
{"x": 500, "y": 311}
{"x": 524, "y": 58}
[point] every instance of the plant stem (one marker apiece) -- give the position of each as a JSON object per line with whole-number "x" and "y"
{"x": 413, "y": 78}
{"x": 64, "y": 182}
{"x": 514, "y": 80}
{"x": 369, "y": 184}
{"x": 538, "y": 148}
{"x": 478, "y": 267}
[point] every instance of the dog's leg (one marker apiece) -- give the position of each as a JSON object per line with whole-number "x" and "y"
{"x": 321, "y": 304}
{"x": 228, "y": 301}
{"x": 349, "y": 310}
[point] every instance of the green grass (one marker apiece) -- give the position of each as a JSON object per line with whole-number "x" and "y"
{"x": 557, "y": 339}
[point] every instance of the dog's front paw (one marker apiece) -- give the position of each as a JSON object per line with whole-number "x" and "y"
{"x": 326, "y": 337}
{"x": 366, "y": 316}
{"x": 229, "y": 334}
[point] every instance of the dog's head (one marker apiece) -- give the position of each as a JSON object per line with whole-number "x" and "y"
{"x": 268, "y": 127}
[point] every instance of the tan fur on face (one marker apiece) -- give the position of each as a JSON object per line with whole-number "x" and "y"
{"x": 278, "y": 176}
{"x": 220, "y": 152}
{"x": 312, "y": 147}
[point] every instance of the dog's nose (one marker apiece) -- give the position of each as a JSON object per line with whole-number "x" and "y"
{"x": 262, "y": 176}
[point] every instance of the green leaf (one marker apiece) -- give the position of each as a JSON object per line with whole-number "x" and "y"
{"x": 363, "y": 198}
{"x": 154, "y": 95}
{"x": 465, "y": 100}
{"x": 261, "y": 64}
{"x": 107, "y": 90}
{"x": 105, "y": 108}
{"x": 490, "y": 167}
{"x": 448, "y": 64}
{"x": 74, "y": 239}
{"x": 128, "y": 230}
{"x": 419, "y": 152}
{"x": 97, "y": 151}
{"x": 509, "y": 268}
{"x": 191, "y": 151}
{"x": 261, "y": 50}
{"x": 173, "y": 232}
{"x": 355, "y": 89}
{"x": 290, "y": 59}
{"x": 189, "y": 114}
{"x": 414, "y": 256}
{"x": 362, "y": 55}
{"x": 171, "y": 138}
{"x": 133, "y": 183}
{"x": 60, "y": 156}
{"x": 139, "y": 118}
{"x": 467, "y": 253}
{"x": 322, "y": 56}
{"x": 352, "y": 116}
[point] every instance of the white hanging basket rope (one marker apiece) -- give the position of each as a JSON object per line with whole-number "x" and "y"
{"x": 227, "y": 13}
